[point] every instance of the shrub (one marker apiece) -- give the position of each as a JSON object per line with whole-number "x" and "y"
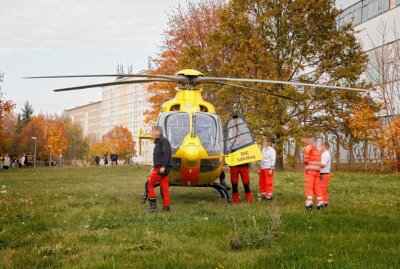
{"x": 255, "y": 231}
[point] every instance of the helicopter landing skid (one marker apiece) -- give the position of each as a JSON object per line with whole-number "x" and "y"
{"x": 219, "y": 187}
{"x": 222, "y": 190}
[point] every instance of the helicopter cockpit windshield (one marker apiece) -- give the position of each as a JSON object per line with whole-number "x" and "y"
{"x": 209, "y": 130}
{"x": 176, "y": 126}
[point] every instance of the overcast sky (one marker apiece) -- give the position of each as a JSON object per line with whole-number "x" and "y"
{"x": 49, "y": 37}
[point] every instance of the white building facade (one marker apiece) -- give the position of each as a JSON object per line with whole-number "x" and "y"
{"x": 377, "y": 23}
{"x": 368, "y": 16}
{"x": 125, "y": 105}
{"x": 88, "y": 117}
{"x": 121, "y": 105}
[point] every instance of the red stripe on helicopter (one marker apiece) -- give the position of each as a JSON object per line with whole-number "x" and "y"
{"x": 190, "y": 175}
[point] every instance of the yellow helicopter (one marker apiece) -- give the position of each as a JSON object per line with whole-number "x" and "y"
{"x": 200, "y": 143}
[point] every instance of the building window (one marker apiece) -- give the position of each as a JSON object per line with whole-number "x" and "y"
{"x": 363, "y": 11}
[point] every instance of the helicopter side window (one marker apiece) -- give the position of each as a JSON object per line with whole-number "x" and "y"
{"x": 208, "y": 129}
{"x": 176, "y": 127}
{"x": 238, "y": 134}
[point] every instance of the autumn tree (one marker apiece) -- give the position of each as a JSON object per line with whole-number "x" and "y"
{"x": 56, "y": 136}
{"x": 364, "y": 125}
{"x": 99, "y": 149}
{"x": 50, "y": 136}
{"x": 6, "y": 107}
{"x": 8, "y": 134}
{"x": 119, "y": 140}
{"x": 37, "y": 127}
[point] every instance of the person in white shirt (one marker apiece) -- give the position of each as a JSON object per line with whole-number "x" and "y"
{"x": 22, "y": 161}
{"x": 325, "y": 171}
{"x": 267, "y": 167}
{"x": 7, "y": 162}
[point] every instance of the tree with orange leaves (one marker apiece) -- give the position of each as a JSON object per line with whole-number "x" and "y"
{"x": 49, "y": 133}
{"x": 119, "y": 140}
{"x": 388, "y": 139}
{"x": 56, "y": 138}
{"x": 6, "y": 107}
{"x": 37, "y": 127}
{"x": 364, "y": 124}
{"x": 99, "y": 149}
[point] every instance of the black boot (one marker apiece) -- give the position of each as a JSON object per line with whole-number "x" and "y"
{"x": 166, "y": 208}
{"x": 146, "y": 193}
{"x": 153, "y": 205}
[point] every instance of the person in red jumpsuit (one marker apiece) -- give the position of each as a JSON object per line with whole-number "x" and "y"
{"x": 162, "y": 163}
{"x": 312, "y": 168}
{"x": 242, "y": 171}
{"x": 267, "y": 167}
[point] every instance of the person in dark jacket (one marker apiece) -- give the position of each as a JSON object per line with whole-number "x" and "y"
{"x": 97, "y": 160}
{"x": 26, "y": 160}
{"x": 162, "y": 163}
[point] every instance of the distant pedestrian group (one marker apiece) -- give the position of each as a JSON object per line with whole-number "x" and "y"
{"x": 108, "y": 159}
{"x": 7, "y": 162}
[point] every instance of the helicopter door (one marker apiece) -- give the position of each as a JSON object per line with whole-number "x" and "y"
{"x": 240, "y": 146}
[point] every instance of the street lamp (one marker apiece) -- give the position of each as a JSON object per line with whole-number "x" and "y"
{"x": 34, "y": 155}
{"x": 50, "y": 147}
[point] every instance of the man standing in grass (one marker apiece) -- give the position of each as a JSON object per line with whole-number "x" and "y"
{"x": 312, "y": 167}
{"x": 325, "y": 172}
{"x": 267, "y": 166}
{"x": 162, "y": 163}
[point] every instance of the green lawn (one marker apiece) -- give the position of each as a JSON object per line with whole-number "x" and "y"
{"x": 92, "y": 218}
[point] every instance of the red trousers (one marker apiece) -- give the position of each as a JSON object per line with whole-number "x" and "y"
{"x": 312, "y": 185}
{"x": 266, "y": 182}
{"x": 325, "y": 178}
{"x": 155, "y": 178}
{"x": 243, "y": 171}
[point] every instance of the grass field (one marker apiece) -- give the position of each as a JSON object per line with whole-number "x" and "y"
{"x": 92, "y": 218}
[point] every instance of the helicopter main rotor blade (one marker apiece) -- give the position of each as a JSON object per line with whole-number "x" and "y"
{"x": 199, "y": 80}
{"x": 173, "y": 78}
{"x": 110, "y": 84}
{"x": 253, "y": 89}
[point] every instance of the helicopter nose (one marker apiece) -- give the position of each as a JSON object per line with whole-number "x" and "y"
{"x": 192, "y": 153}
